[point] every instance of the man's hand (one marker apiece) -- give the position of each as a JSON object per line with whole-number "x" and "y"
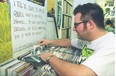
{"x": 44, "y": 42}
{"x": 45, "y": 55}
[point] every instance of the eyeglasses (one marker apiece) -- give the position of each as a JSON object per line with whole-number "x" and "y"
{"x": 76, "y": 24}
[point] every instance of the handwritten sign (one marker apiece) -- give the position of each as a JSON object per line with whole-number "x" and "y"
{"x": 28, "y": 21}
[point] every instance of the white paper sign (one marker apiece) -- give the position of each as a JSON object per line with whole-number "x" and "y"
{"x": 28, "y": 21}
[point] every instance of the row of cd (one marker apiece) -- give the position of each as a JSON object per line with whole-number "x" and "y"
{"x": 21, "y": 68}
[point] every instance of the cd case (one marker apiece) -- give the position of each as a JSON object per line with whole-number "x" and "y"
{"x": 34, "y": 60}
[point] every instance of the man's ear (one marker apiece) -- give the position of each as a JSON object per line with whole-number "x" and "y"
{"x": 90, "y": 24}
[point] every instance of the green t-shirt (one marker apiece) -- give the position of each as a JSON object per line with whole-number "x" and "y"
{"x": 110, "y": 29}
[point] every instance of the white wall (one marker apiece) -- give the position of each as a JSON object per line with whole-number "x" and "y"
{"x": 50, "y": 29}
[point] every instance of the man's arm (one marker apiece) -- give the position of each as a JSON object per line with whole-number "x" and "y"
{"x": 64, "y": 68}
{"x": 58, "y": 42}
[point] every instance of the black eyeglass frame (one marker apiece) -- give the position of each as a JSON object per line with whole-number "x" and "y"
{"x": 76, "y": 24}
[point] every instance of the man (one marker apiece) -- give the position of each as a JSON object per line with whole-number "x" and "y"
{"x": 89, "y": 25}
{"x": 109, "y": 26}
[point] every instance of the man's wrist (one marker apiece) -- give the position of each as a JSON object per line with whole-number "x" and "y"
{"x": 48, "y": 58}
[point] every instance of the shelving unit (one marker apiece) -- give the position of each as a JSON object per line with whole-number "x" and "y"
{"x": 64, "y": 18}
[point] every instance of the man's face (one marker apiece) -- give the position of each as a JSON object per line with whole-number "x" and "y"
{"x": 79, "y": 27}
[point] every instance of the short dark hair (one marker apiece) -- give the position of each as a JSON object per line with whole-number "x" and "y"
{"x": 91, "y": 11}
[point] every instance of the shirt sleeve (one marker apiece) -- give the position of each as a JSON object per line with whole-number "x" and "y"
{"x": 78, "y": 43}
